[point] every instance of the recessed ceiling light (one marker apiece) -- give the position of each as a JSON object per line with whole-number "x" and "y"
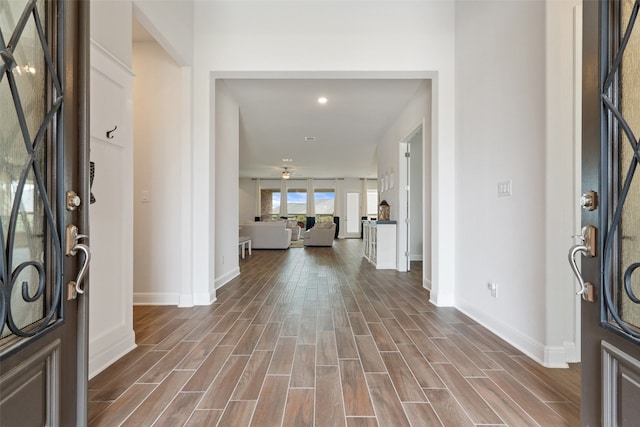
{"x": 323, "y": 100}
{"x": 287, "y": 160}
{"x": 309, "y": 138}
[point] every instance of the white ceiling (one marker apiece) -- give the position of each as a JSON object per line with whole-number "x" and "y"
{"x": 276, "y": 115}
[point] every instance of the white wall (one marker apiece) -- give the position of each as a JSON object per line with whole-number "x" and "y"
{"x": 111, "y": 296}
{"x": 157, "y": 131}
{"x": 247, "y": 200}
{"x": 115, "y": 39}
{"x": 111, "y": 217}
{"x": 321, "y": 39}
{"x": 416, "y": 113}
{"x": 227, "y": 132}
{"x": 418, "y": 214}
{"x": 500, "y": 132}
{"x": 562, "y": 187}
{"x": 503, "y": 133}
{"x": 159, "y": 18}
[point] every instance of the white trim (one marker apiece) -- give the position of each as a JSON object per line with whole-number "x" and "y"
{"x": 440, "y": 299}
{"x": 185, "y": 300}
{"x": 226, "y": 278}
{"x": 204, "y": 298}
{"x": 97, "y": 48}
{"x": 546, "y": 356}
{"x": 577, "y": 163}
{"x": 555, "y": 357}
{"x": 156, "y": 298}
{"x": 108, "y": 350}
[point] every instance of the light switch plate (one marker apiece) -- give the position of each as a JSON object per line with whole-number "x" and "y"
{"x": 504, "y": 188}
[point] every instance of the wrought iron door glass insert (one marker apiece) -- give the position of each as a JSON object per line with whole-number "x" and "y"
{"x": 30, "y": 106}
{"x": 620, "y": 305}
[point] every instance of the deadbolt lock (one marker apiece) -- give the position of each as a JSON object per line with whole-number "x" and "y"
{"x": 589, "y": 200}
{"x": 73, "y": 201}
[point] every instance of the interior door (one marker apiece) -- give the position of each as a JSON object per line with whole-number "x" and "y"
{"x": 43, "y": 192}
{"x": 611, "y": 202}
{"x": 353, "y": 221}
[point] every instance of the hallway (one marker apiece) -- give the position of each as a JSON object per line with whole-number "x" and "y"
{"x": 317, "y": 336}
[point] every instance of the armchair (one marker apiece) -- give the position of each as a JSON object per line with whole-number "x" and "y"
{"x": 322, "y": 234}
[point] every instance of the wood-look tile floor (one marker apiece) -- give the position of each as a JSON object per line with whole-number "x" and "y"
{"x": 317, "y": 336}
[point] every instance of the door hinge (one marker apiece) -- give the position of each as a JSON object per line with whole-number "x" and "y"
{"x": 407, "y": 154}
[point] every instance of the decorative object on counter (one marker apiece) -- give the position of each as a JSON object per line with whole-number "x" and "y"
{"x": 383, "y": 211}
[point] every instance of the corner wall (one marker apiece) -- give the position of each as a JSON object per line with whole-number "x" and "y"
{"x": 227, "y": 154}
{"x": 416, "y": 113}
{"x": 157, "y": 173}
{"x": 511, "y": 95}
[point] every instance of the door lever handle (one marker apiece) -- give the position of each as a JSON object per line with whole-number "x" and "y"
{"x": 587, "y": 248}
{"x": 574, "y": 266}
{"x": 75, "y": 287}
{"x": 85, "y": 265}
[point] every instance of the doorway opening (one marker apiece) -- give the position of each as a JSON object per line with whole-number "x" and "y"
{"x": 411, "y": 241}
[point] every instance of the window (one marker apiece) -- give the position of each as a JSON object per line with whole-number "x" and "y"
{"x": 372, "y": 203}
{"x": 325, "y": 204}
{"x": 296, "y": 202}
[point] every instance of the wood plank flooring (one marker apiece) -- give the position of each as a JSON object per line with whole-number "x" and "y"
{"x": 317, "y": 336}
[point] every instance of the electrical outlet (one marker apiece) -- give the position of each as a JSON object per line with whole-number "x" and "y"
{"x": 493, "y": 288}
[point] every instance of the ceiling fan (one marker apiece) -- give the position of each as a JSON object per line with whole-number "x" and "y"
{"x": 286, "y": 173}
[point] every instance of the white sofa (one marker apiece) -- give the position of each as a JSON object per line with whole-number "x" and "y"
{"x": 322, "y": 234}
{"x": 267, "y": 234}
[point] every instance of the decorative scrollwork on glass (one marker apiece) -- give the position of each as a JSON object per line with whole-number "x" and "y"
{"x": 31, "y": 255}
{"x": 618, "y": 289}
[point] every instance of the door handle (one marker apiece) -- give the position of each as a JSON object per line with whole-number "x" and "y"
{"x": 587, "y": 248}
{"x": 75, "y": 286}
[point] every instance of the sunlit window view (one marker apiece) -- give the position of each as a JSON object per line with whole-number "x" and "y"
{"x": 324, "y": 205}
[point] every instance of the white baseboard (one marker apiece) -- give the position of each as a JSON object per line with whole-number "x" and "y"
{"x": 529, "y": 346}
{"x": 206, "y": 298}
{"x": 156, "y": 298}
{"x": 107, "y": 349}
{"x": 417, "y": 257}
{"x": 185, "y": 300}
{"x": 227, "y": 277}
{"x": 555, "y": 357}
{"x": 439, "y": 299}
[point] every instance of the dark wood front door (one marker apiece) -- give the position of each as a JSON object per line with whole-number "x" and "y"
{"x": 43, "y": 158}
{"x": 611, "y": 183}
